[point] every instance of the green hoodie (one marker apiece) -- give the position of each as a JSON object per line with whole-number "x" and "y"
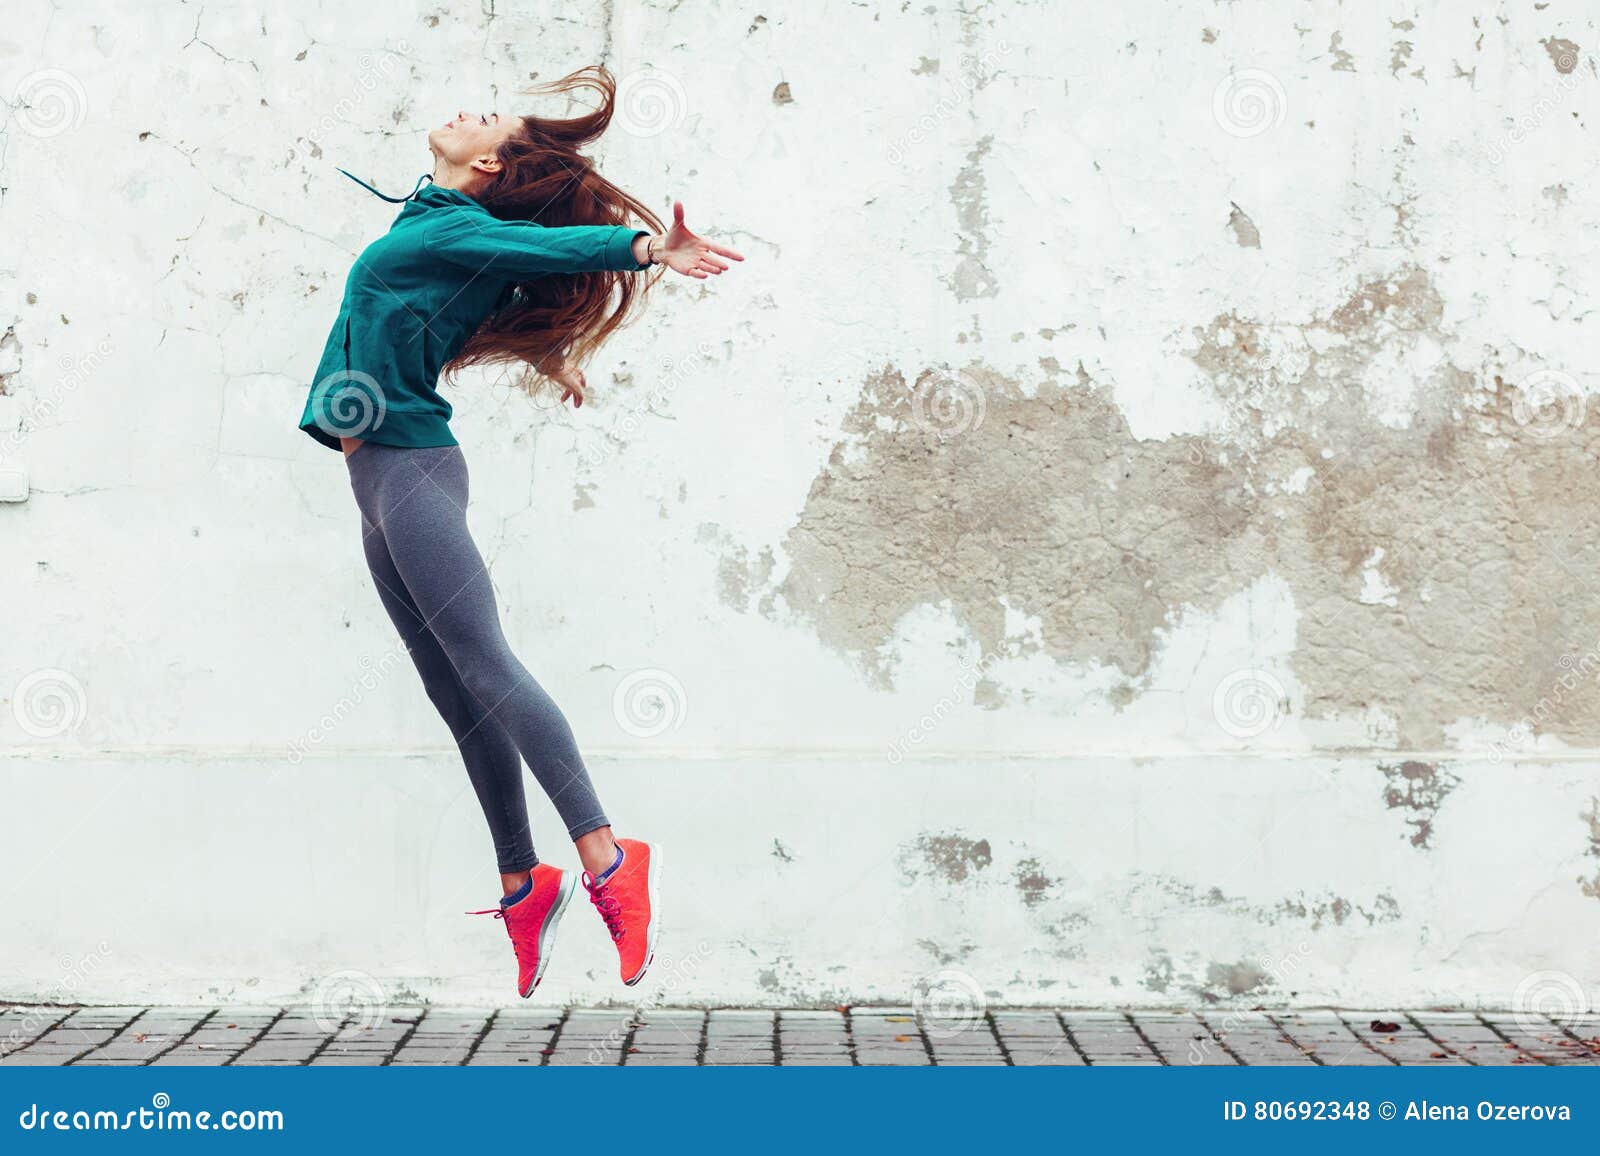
{"x": 414, "y": 297}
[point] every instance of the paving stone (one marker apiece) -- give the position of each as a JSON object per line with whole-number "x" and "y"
{"x": 1408, "y": 1045}
{"x": 33, "y": 1059}
{"x": 661, "y": 1037}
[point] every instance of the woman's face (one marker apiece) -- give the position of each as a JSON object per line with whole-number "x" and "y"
{"x": 470, "y": 136}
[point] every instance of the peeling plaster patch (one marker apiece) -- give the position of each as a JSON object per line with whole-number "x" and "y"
{"x": 1563, "y": 54}
{"x": 1319, "y": 912}
{"x": 1049, "y": 506}
{"x": 10, "y": 358}
{"x": 1032, "y": 883}
{"x": 972, "y": 278}
{"x": 943, "y": 954}
{"x": 1591, "y": 887}
{"x": 781, "y": 977}
{"x": 952, "y": 858}
{"x": 1158, "y": 973}
{"x": 927, "y": 66}
{"x": 1419, "y": 788}
{"x": 1556, "y": 194}
{"x": 1235, "y": 979}
{"x": 1342, "y": 60}
{"x": 1164, "y": 892}
{"x": 1400, "y": 55}
{"x": 780, "y": 95}
{"x": 780, "y": 852}
{"x": 737, "y": 575}
{"x": 1244, "y": 229}
{"x": 1208, "y": 36}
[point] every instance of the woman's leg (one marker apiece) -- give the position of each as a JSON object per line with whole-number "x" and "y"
{"x": 419, "y": 510}
{"x": 493, "y": 764}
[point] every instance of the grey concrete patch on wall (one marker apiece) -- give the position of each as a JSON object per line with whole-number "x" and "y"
{"x": 1563, "y": 53}
{"x": 1431, "y": 560}
{"x": 1244, "y": 229}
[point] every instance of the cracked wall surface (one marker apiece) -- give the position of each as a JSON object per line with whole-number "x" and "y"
{"x": 1126, "y": 532}
{"x": 1432, "y": 566}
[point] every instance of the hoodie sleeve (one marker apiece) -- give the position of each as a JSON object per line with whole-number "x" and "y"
{"x": 485, "y": 243}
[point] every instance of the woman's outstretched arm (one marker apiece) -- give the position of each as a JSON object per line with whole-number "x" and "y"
{"x": 478, "y": 241}
{"x": 513, "y": 249}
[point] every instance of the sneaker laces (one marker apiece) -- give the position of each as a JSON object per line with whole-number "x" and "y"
{"x": 522, "y": 937}
{"x": 606, "y": 904}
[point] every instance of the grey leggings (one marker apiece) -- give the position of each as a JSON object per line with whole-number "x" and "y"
{"x": 436, "y": 588}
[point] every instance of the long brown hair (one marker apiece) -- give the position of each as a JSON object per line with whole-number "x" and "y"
{"x": 544, "y": 178}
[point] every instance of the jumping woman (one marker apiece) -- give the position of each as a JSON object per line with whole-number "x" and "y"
{"x": 518, "y": 252}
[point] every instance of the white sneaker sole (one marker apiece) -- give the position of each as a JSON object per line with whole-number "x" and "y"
{"x": 547, "y": 933}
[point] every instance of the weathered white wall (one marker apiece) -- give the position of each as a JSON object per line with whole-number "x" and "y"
{"x": 1126, "y": 533}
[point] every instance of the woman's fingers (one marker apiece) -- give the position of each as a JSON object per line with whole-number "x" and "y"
{"x": 710, "y": 262}
{"x": 722, "y": 250}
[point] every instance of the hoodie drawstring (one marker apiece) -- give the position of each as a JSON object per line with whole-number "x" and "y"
{"x": 425, "y": 177}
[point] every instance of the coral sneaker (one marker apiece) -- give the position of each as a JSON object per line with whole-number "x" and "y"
{"x": 625, "y": 896}
{"x": 531, "y": 922}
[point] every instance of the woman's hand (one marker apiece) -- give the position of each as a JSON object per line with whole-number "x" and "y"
{"x": 570, "y": 378}
{"x": 684, "y": 252}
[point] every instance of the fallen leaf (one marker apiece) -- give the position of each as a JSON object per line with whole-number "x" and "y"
{"x": 902, "y": 1039}
{"x": 1436, "y": 1055}
{"x": 1384, "y": 1026}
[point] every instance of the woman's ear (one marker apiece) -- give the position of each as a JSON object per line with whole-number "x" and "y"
{"x": 488, "y": 163}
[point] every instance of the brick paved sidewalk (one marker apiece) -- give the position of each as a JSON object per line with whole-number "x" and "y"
{"x": 858, "y": 1036}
